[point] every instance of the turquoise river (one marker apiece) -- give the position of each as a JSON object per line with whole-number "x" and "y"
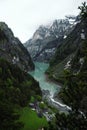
{"x": 39, "y": 75}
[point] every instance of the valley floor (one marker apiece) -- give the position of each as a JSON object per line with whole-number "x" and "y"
{"x": 31, "y": 120}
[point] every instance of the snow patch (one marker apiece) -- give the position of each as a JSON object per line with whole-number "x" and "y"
{"x": 81, "y": 60}
{"x": 67, "y": 65}
{"x": 64, "y": 37}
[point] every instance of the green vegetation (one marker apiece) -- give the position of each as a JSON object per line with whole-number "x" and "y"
{"x": 68, "y": 48}
{"x": 16, "y": 89}
{"x": 74, "y": 90}
{"x": 57, "y": 73}
{"x": 64, "y": 53}
{"x": 74, "y": 94}
{"x": 83, "y": 10}
{"x": 31, "y": 120}
{"x": 13, "y": 50}
{"x": 42, "y": 105}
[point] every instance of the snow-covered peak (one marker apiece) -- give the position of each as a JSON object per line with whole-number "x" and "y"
{"x": 54, "y": 29}
{"x": 37, "y": 36}
{"x": 42, "y": 28}
{"x": 40, "y": 33}
{"x": 47, "y": 34}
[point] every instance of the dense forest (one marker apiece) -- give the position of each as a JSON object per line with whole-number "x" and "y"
{"x": 67, "y": 50}
{"x": 74, "y": 90}
{"x": 16, "y": 88}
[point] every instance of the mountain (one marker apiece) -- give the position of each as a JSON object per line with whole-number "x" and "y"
{"x": 69, "y": 65}
{"x": 67, "y": 50}
{"x": 13, "y": 50}
{"x": 16, "y": 85}
{"x": 74, "y": 91}
{"x": 46, "y": 39}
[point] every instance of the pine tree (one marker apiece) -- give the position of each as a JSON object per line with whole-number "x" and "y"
{"x": 83, "y": 10}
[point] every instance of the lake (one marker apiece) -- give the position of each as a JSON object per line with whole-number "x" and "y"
{"x": 39, "y": 75}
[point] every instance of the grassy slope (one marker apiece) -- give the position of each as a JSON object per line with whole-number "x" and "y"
{"x": 57, "y": 73}
{"x": 31, "y": 120}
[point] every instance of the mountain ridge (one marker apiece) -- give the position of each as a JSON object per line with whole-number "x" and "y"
{"x": 39, "y": 46}
{"x": 13, "y": 50}
{"x": 66, "y": 51}
{"x": 16, "y": 85}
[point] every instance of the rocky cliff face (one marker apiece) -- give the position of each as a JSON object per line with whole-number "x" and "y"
{"x": 46, "y": 39}
{"x": 66, "y": 53}
{"x": 13, "y": 50}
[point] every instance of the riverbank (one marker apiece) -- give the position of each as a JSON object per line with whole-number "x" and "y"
{"x": 55, "y": 96}
{"x": 49, "y": 88}
{"x": 51, "y": 80}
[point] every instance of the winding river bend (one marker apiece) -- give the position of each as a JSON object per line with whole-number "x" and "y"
{"x": 39, "y": 75}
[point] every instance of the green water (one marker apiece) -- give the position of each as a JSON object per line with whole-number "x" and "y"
{"x": 39, "y": 75}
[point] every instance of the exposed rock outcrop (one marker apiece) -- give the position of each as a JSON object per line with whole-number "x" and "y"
{"x": 46, "y": 39}
{"x": 13, "y": 50}
{"x": 67, "y": 52}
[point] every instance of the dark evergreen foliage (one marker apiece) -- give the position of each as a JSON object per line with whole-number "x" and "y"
{"x": 83, "y": 10}
{"x": 16, "y": 89}
{"x": 74, "y": 90}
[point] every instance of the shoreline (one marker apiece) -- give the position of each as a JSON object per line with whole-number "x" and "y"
{"x": 57, "y": 102}
{"x": 50, "y": 94}
{"x": 52, "y": 80}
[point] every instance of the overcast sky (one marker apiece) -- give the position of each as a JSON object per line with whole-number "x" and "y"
{"x": 25, "y": 16}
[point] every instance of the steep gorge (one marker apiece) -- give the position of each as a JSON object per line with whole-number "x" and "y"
{"x": 46, "y": 39}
